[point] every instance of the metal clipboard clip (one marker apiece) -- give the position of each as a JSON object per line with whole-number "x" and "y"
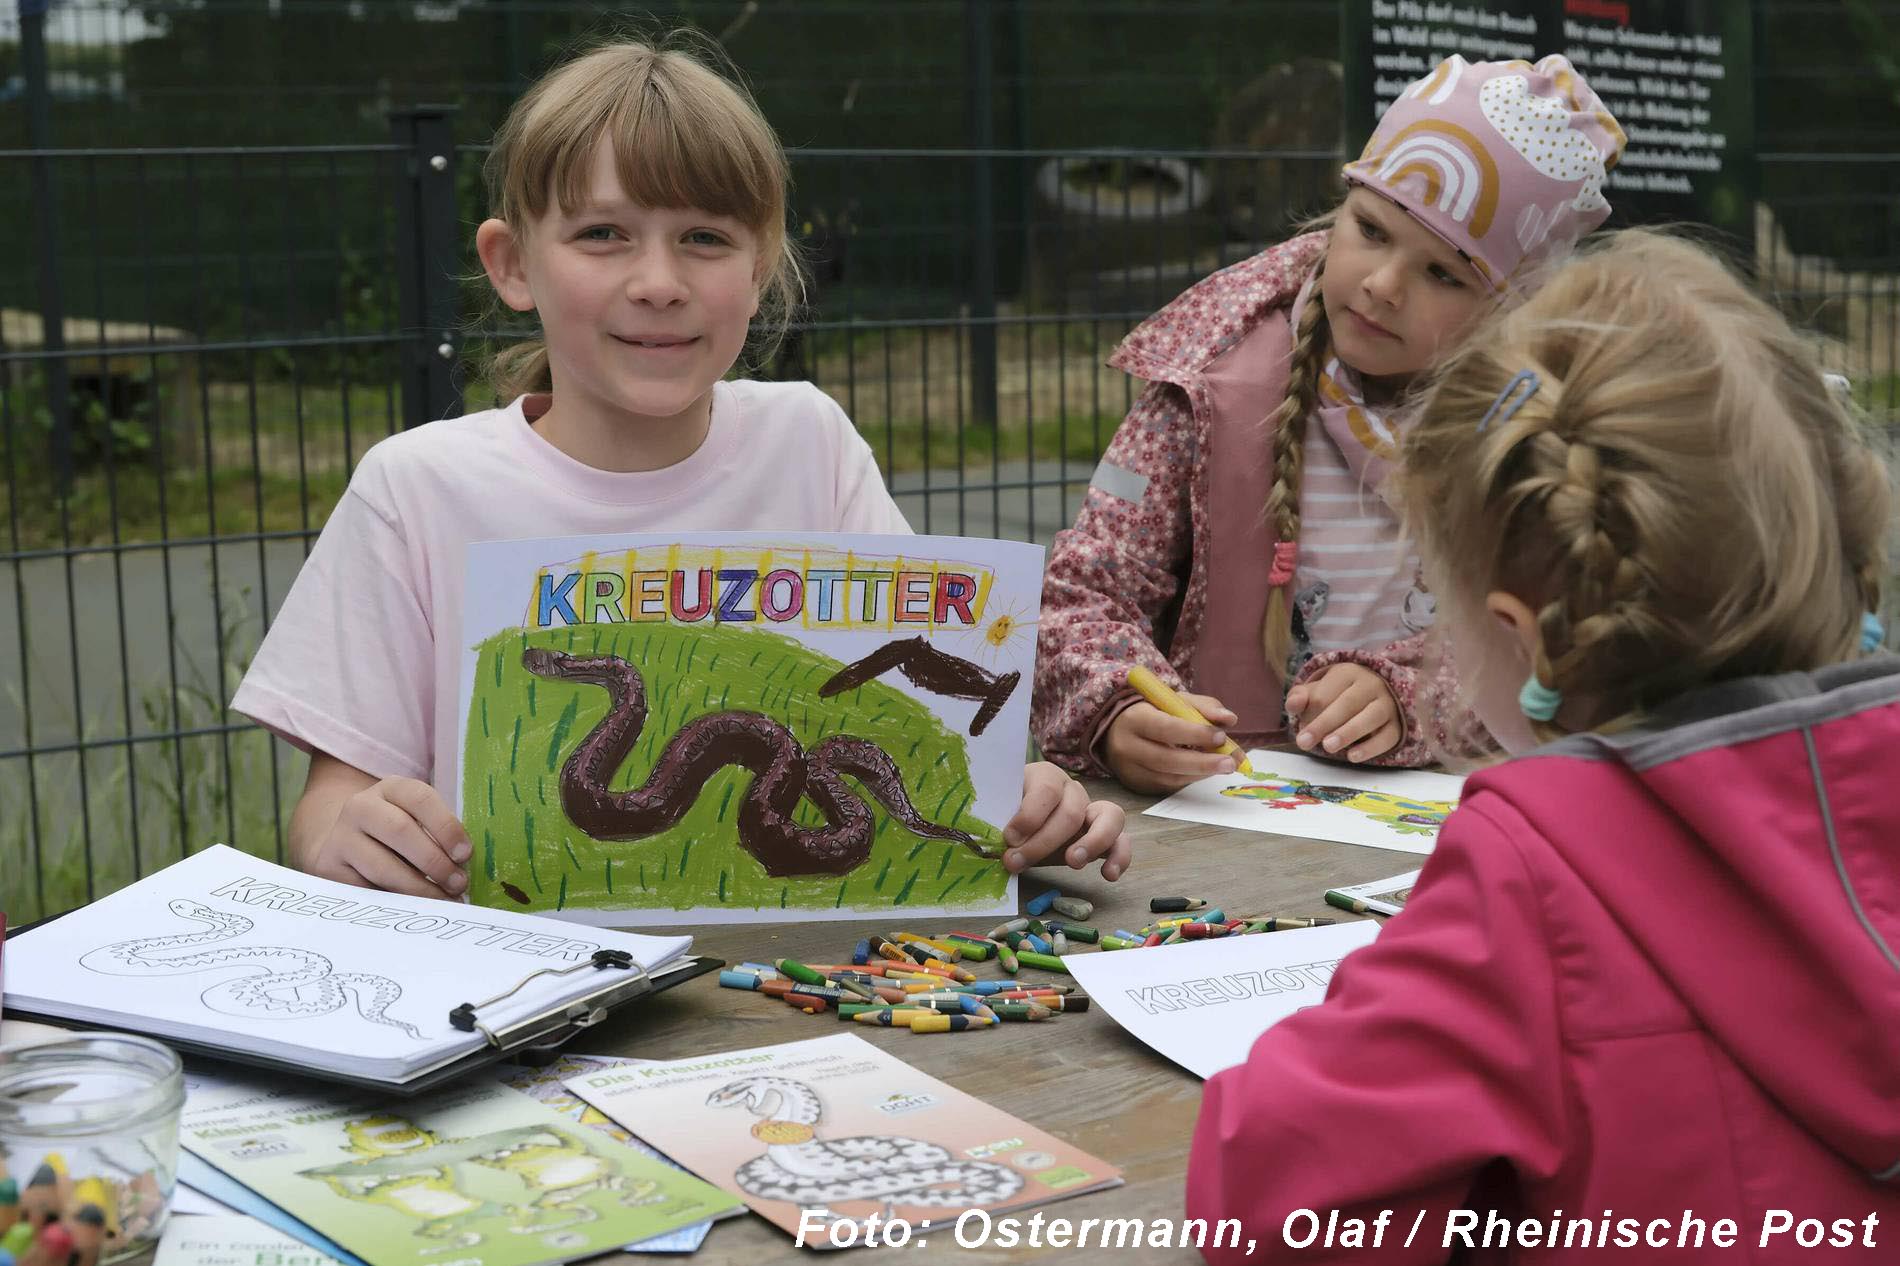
{"x": 564, "y": 1019}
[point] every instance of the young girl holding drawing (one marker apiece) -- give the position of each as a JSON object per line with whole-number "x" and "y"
{"x": 1282, "y": 382}
{"x": 638, "y": 203}
{"x": 1653, "y": 964}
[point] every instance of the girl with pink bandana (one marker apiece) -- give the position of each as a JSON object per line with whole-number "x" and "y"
{"x": 1236, "y": 539}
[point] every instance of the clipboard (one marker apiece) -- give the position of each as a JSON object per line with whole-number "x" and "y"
{"x": 535, "y": 1038}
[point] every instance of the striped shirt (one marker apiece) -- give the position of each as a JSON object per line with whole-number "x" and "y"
{"x": 1353, "y": 544}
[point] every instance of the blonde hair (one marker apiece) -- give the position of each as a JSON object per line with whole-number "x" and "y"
{"x": 1681, "y": 499}
{"x": 1286, "y": 431}
{"x": 683, "y": 135}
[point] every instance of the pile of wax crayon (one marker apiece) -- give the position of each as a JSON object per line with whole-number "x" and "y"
{"x": 55, "y": 1221}
{"x": 904, "y": 979}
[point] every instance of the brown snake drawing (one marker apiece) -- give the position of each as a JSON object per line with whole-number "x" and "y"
{"x": 782, "y": 774}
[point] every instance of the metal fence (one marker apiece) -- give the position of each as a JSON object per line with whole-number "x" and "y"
{"x": 237, "y": 325}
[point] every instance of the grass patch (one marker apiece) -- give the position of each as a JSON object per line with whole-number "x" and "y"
{"x": 699, "y": 861}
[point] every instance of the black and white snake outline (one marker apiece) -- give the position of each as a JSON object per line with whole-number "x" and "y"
{"x": 278, "y": 983}
{"x": 782, "y": 774}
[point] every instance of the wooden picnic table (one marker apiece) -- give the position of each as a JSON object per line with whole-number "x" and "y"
{"x": 1079, "y": 1077}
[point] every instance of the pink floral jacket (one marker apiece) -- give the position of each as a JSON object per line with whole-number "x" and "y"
{"x": 1178, "y": 502}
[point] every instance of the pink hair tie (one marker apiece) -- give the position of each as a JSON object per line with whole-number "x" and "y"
{"x": 1285, "y": 554}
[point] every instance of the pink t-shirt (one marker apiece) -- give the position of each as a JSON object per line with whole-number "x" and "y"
{"x": 362, "y": 661}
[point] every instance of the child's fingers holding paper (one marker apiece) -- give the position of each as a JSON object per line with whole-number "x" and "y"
{"x": 1050, "y": 817}
{"x": 1104, "y": 838}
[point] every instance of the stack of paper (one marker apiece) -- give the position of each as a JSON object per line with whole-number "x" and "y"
{"x": 252, "y": 958}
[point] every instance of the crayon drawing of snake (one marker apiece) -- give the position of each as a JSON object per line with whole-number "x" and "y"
{"x": 278, "y": 982}
{"x": 783, "y": 773}
{"x": 1397, "y": 813}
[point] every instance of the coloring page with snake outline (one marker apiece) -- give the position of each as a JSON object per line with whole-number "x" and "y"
{"x": 833, "y": 1130}
{"x": 744, "y": 727}
{"x": 238, "y": 952}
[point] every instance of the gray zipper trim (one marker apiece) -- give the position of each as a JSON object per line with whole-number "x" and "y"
{"x": 1847, "y": 884}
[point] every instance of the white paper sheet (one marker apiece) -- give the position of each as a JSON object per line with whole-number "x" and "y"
{"x": 1203, "y": 1003}
{"x": 1290, "y": 794}
{"x": 229, "y": 949}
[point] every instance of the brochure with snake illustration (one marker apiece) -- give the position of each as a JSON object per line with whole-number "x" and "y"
{"x": 742, "y": 727}
{"x": 259, "y": 959}
{"x": 820, "y": 1135}
{"x": 481, "y": 1175}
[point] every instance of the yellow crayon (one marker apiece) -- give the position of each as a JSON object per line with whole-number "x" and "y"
{"x": 1163, "y": 696}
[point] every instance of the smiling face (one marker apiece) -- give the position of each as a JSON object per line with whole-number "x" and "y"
{"x": 643, "y": 308}
{"x": 1396, "y": 295}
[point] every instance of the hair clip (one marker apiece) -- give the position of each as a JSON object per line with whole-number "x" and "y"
{"x": 1872, "y": 633}
{"x": 1505, "y": 407}
{"x": 1538, "y": 701}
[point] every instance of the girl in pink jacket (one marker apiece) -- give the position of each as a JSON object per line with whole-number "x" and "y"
{"x": 1236, "y": 538}
{"x": 1645, "y": 997}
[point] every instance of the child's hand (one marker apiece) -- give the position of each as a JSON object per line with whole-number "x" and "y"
{"x": 397, "y": 835}
{"x": 1349, "y": 710}
{"x": 1148, "y": 750}
{"x": 1055, "y": 812}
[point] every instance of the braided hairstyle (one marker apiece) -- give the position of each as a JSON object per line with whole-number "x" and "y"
{"x": 1287, "y": 427}
{"x": 1682, "y": 499}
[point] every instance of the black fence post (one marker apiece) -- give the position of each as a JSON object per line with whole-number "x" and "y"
{"x": 980, "y": 81}
{"x": 427, "y": 248}
{"x": 59, "y": 400}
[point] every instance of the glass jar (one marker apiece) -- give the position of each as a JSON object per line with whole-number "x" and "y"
{"x": 89, "y": 1130}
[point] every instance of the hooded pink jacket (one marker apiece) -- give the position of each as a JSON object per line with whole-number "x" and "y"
{"x": 1643, "y": 974}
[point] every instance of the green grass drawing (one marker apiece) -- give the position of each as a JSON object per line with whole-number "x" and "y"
{"x": 699, "y": 862}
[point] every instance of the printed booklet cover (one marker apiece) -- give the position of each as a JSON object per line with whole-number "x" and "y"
{"x": 820, "y": 1135}
{"x": 481, "y": 1175}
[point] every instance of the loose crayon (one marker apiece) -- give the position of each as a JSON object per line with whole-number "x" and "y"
{"x": 862, "y": 990}
{"x": 1174, "y": 905}
{"x": 1041, "y": 902}
{"x": 950, "y": 1023}
{"x": 1036, "y": 945}
{"x": 1079, "y": 932}
{"x": 1021, "y": 1011}
{"x": 1004, "y": 929}
{"x": 850, "y": 1010}
{"x": 1120, "y": 942}
{"x": 1006, "y": 957}
{"x": 1058, "y": 943}
{"x": 891, "y": 1017}
{"x": 861, "y": 954}
{"x": 1047, "y": 962}
{"x": 1216, "y": 915}
{"x": 1073, "y": 907}
{"x": 739, "y": 980}
{"x": 970, "y": 947}
{"x": 799, "y": 972}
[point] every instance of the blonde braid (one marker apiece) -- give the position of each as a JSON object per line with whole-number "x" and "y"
{"x": 1287, "y": 427}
